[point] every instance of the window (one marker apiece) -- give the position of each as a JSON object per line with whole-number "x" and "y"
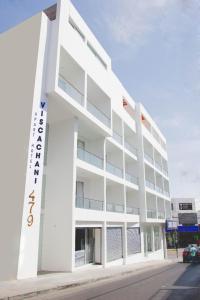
{"x": 97, "y": 55}
{"x": 75, "y": 27}
{"x": 81, "y": 144}
{"x": 157, "y": 238}
{"x": 185, "y": 206}
{"x": 172, "y": 206}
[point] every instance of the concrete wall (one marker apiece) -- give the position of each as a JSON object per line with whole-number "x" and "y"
{"x": 58, "y": 233}
{"x": 18, "y": 61}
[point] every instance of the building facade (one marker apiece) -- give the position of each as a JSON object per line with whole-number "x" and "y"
{"x": 85, "y": 168}
{"x": 186, "y": 215}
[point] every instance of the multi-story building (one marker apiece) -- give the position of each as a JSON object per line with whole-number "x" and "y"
{"x": 85, "y": 175}
{"x": 182, "y": 206}
{"x": 186, "y": 216}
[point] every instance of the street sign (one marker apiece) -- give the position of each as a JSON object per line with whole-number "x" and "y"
{"x": 188, "y": 228}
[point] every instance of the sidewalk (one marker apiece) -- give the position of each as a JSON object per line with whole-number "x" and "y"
{"x": 27, "y": 288}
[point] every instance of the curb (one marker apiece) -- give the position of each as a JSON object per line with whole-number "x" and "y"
{"x": 80, "y": 283}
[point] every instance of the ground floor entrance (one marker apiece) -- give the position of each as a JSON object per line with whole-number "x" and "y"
{"x": 87, "y": 246}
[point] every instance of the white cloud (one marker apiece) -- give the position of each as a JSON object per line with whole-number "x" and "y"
{"x": 132, "y": 19}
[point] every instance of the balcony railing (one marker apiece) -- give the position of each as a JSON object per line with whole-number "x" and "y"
{"x": 151, "y": 214}
{"x": 119, "y": 208}
{"x": 132, "y": 210}
{"x": 166, "y": 193}
{"x": 148, "y": 158}
{"x": 130, "y": 147}
{"x": 90, "y": 158}
{"x": 68, "y": 88}
{"x": 158, "y": 166}
{"x": 161, "y": 215}
{"x": 87, "y": 203}
{"x": 114, "y": 170}
{"x": 159, "y": 189}
{"x": 117, "y": 137}
{"x": 165, "y": 172}
{"x": 95, "y": 111}
{"x": 150, "y": 185}
{"x": 131, "y": 178}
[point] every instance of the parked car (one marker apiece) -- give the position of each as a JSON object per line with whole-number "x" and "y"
{"x": 191, "y": 254}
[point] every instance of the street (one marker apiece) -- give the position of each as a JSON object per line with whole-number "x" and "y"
{"x": 175, "y": 281}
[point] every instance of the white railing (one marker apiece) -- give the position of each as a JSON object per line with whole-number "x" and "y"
{"x": 161, "y": 215}
{"x": 113, "y": 207}
{"x": 151, "y": 214}
{"x": 68, "y": 88}
{"x": 89, "y": 158}
{"x": 87, "y": 203}
{"x": 114, "y": 170}
{"x": 95, "y": 111}
{"x": 159, "y": 189}
{"x": 150, "y": 184}
{"x": 130, "y": 147}
{"x": 132, "y": 210}
{"x": 131, "y": 178}
{"x": 158, "y": 166}
{"x": 149, "y": 158}
{"x": 117, "y": 137}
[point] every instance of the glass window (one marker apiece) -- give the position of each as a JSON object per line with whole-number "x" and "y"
{"x": 75, "y": 27}
{"x": 157, "y": 238}
{"x": 185, "y": 206}
{"x": 80, "y": 239}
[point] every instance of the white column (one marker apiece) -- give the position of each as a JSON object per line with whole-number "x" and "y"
{"x": 58, "y": 253}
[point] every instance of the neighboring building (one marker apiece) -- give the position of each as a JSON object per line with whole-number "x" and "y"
{"x": 186, "y": 214}
{"x": 182, "y": 206}
{"x": 96, "y": 189}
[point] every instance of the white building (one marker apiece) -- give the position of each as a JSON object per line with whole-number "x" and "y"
{"x": 182, "y": 206}
{"x": 96, "y": 190}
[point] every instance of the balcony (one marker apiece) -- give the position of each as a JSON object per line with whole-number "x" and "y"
{"x": 148, "y": 158}
{"x": 97, "y": 113}
{"x": 165, "y": 172}
{"x": 90, "y": 158}
{"x": 117, "y": 137}
{"x": 131, "y": 178}
{"x": 132, "y": 210}
{"x": 158, "y": 166}
{"x": 150, "y": 184}
{"x": 151, "y": 214}
{"x": 114, "y": 170}
{"x": 161, "y": 215}
{"x": 113, "y": 207}
{"x": 68, "y": 88}
{"x": 87, "y": 203}
{"x": 130, "y": 147}
{"x": 166, "y": 193}
{"x": 159, "y": 189}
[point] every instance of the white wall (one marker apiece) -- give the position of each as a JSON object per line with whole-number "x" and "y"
{"x": 18, "y": 61}
{"x": 58, "y": 234}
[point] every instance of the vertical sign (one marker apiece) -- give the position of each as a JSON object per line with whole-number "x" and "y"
{"x": 32, "y": 203}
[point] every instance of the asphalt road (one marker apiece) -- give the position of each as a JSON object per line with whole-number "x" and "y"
{"x": 171, "y": 282}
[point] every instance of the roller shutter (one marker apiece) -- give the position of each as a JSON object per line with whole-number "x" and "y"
{"x": 114, "y": 244}
{"x": 133, "y": 240}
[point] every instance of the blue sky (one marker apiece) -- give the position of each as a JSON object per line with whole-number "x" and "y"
{"x": 155, "y": 51}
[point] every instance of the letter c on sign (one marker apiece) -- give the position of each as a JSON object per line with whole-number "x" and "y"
{"x": 38, "y": 147}
{"x": 40, "y": 130}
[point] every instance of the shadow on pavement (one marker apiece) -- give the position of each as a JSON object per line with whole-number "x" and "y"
{"x": 187, "y": 286}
